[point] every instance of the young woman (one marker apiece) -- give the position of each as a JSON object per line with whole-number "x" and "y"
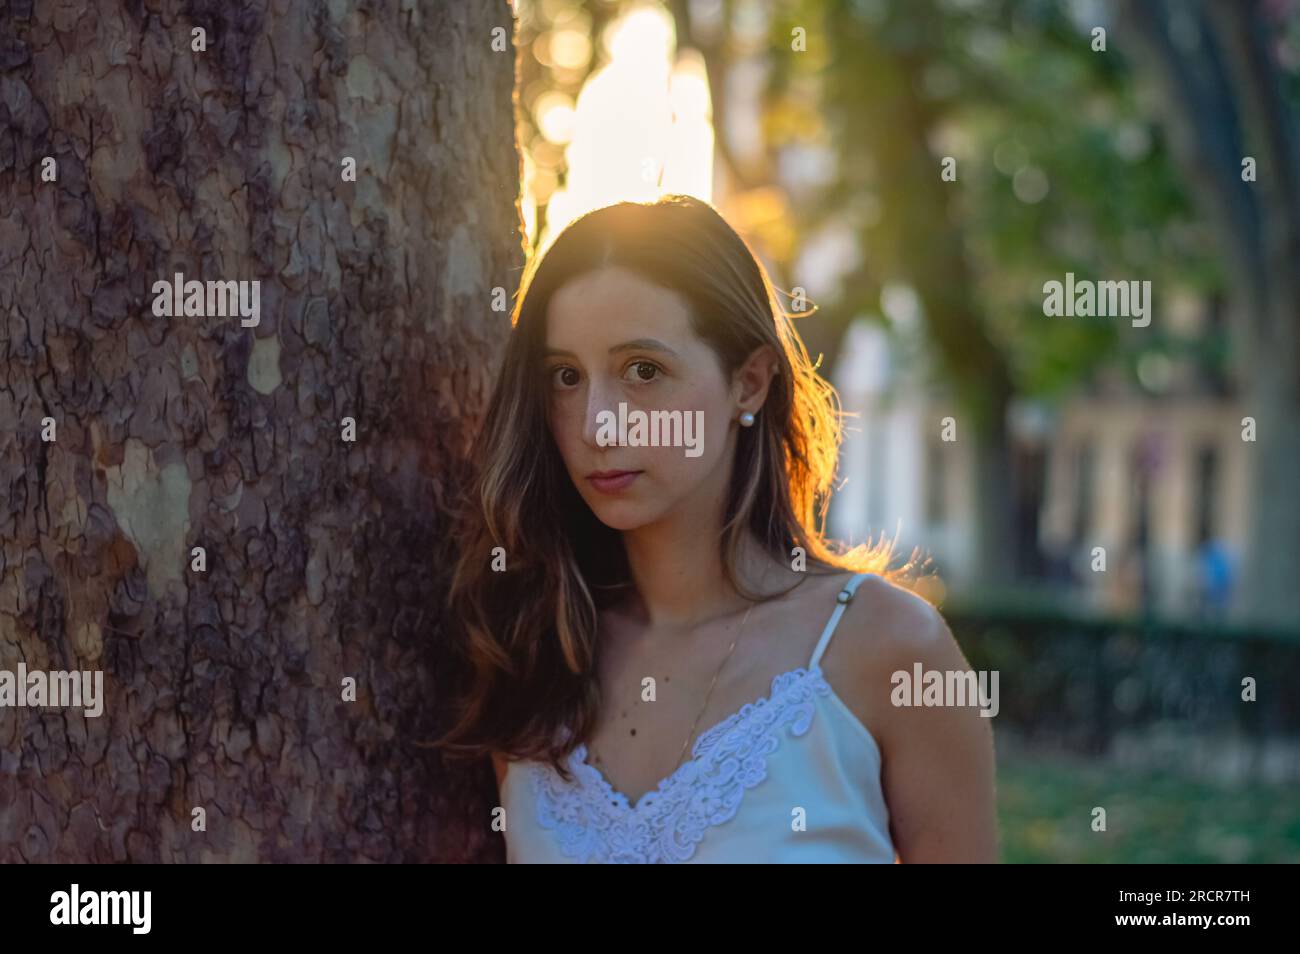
{"x": 648, "y": 614}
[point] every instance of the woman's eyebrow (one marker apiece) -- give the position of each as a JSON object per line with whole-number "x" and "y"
{"x": 637, "y": 344}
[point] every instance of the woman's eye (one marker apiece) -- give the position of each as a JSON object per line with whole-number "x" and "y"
{"x": 644, "y": 370}
{"x": 558, "y": 376}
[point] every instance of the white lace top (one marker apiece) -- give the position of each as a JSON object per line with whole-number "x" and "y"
{"x": 792, "y": 777}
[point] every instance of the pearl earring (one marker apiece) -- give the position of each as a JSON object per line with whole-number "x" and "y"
{"x": 747, "y": 419}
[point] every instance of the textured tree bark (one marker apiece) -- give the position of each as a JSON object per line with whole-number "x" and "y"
{"x": 325, "y": 558}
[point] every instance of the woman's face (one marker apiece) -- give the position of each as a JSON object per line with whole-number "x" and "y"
{"x": 613, "y": 337}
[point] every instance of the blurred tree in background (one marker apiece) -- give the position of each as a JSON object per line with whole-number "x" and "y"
{"x": 1228, "y": 104}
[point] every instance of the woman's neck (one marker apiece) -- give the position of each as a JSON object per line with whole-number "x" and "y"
{"x": 679, "y": 581}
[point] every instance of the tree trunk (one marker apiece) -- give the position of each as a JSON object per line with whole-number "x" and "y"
{"x": 917, "y": 242}
{"x": 1220, "y": 95}
{"x": 327, "y": 559}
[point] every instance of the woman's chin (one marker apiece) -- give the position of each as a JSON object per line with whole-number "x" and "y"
{"x": 620, "y": 516}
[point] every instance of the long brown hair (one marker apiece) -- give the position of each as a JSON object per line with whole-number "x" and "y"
{"x": 536, "y": 565}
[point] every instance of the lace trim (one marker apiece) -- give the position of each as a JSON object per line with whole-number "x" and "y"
{"x": 594, "y": 822}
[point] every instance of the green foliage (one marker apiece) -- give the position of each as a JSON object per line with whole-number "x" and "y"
{"x": 1061, "y": 168}
{"x": 1045, "y": 805}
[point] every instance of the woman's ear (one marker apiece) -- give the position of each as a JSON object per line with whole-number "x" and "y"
{"x": 751, "y": 380}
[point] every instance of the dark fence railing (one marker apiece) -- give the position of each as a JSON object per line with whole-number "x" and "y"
{"x": 1079, "y": 681}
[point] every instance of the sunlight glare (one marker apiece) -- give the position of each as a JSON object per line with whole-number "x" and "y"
{"x": 641, "y": 127}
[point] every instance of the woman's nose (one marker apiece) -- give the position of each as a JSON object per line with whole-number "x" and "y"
{"x": 600, "y": 424}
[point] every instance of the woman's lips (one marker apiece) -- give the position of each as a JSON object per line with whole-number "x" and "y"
{"x": 612, "y": 481}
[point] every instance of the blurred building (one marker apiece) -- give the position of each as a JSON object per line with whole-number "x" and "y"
{"x": 1159, "y": 480}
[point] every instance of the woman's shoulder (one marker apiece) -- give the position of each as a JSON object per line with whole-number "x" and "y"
{"x": 891, "y": 629}
{"x": 889, "y": 609}
{"x": 885, "y": 628}
{"x": 896, "y": 618}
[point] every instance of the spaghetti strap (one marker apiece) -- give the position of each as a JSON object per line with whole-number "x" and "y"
{"x": 845, "y": 595}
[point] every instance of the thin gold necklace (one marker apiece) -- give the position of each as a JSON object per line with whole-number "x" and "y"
{"x": 707, "y": 695}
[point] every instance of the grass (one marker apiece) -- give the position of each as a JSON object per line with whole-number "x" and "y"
{"x": 1045, "y": 814}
